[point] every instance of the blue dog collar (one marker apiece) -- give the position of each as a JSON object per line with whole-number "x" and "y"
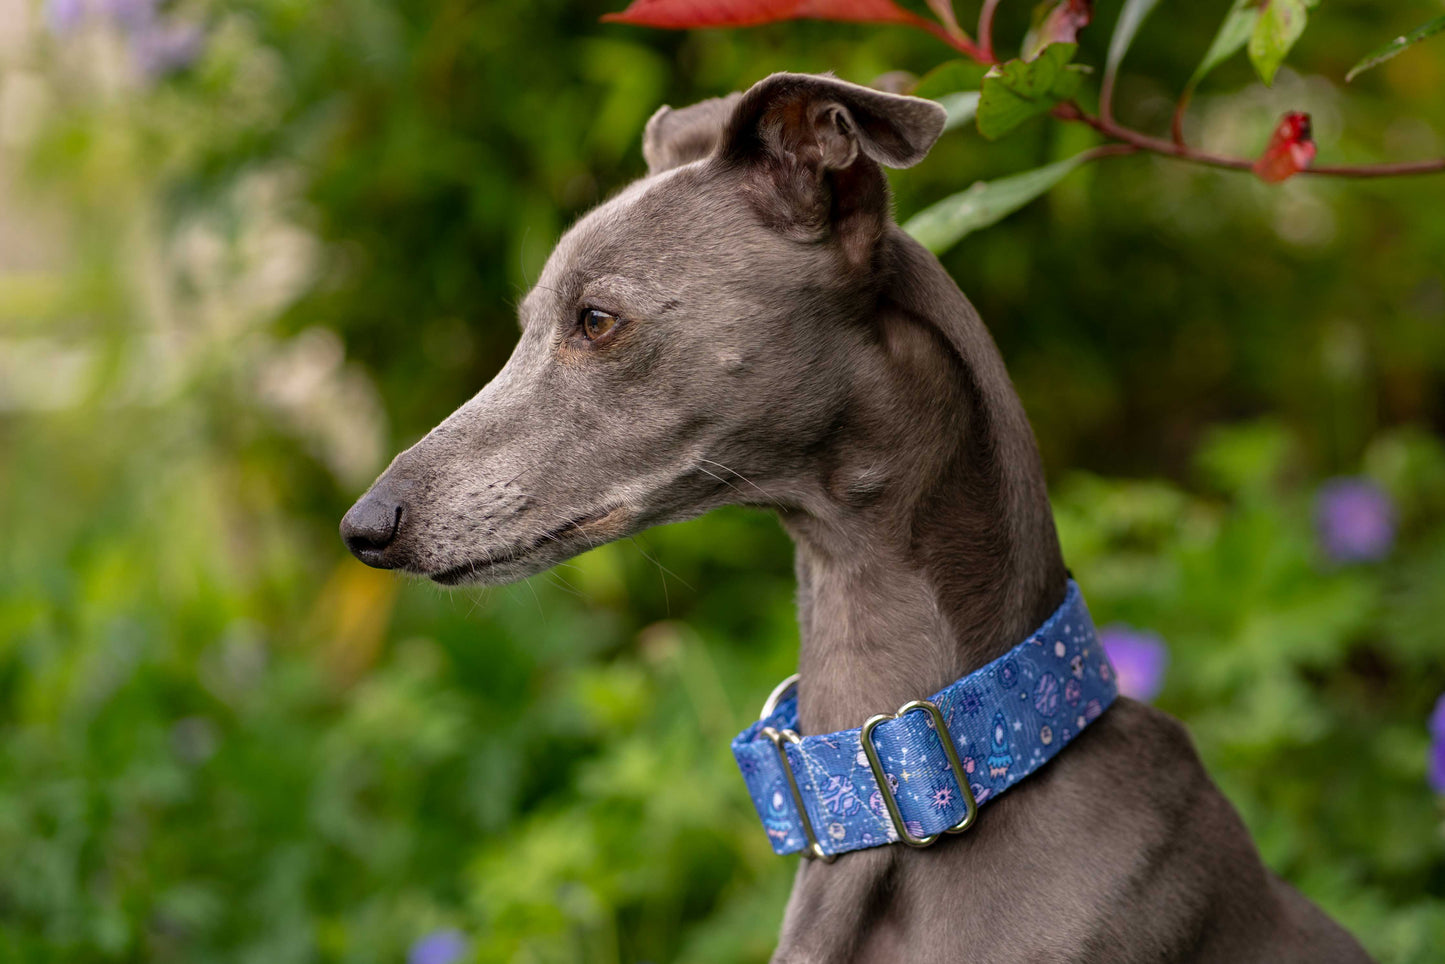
{"x": 893, "y": 779}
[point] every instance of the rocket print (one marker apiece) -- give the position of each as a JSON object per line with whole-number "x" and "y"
{"x": 1000, "y": 759}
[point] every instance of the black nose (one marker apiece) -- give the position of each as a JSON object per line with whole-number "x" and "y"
{"x": 371, "y": 525}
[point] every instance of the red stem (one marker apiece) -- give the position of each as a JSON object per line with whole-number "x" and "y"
{"x": 960, "y": 42}
{"x": 1106, "y": 98}
{"x": 1397, "y": 169}
{"x": 1144, "y": 142}
{"x": 1154, "y": 145}
{"x": 1176, "y": 124}
{"x": 1109, "y": 150}
{"x": 985, "y": 30}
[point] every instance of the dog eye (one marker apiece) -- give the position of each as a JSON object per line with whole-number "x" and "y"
{"x": 597, "y": 324}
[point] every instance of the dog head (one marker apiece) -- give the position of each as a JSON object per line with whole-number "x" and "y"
{"x": 689, "y": 344}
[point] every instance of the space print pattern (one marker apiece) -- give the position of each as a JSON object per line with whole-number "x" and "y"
{"x": 1006, "y": 720}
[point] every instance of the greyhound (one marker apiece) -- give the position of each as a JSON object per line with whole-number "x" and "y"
{"x": 746, "y": 324}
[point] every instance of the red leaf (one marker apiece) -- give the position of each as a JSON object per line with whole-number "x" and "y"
{"x": 1290, "y": 150}
{"x": 1059, "y": 24}
{"x": 1067, "y": 19}
{"x": 682, "y": 14}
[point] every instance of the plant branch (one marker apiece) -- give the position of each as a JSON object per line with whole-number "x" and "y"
{"x": 1176, "y": 123}
{"x": 985, "y": 31}
{"x": 1434, "y": 165}
{"x": 1106, "y": 98}
{"x": 1155, "y": 145}
{"x": 1109, "y": 150}
{"x": 1127, "y": 140}
{"x": 960, "y": 41}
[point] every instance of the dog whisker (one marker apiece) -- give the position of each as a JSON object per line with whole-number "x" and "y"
{"x": 559, "y": 583}
{"x": 719, "y": 478}
{"x": 766, "y": 494}
{"x": 637, "y": 541}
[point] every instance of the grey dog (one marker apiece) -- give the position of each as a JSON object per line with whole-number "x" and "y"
{"x": 746, "y": 324}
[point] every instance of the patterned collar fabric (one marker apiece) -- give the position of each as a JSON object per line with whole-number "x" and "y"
{"x": 1005, "y": 719}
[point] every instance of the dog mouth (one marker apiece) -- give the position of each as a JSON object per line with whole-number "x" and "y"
{"x": 519, "y": 553}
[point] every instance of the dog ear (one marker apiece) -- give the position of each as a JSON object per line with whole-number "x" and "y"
{"x": 827, "y": 122}
{"x": 814, "y": 145}
{"x": 676, "y": 137}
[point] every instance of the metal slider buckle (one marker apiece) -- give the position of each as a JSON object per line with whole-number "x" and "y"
{"x": 940, "y": 726}
{"x": 813, "y": 851}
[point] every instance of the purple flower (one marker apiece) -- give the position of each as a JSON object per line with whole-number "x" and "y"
{"x": 64, "y": 16}
{"x": 160, "y": 49}
{"x": 438, "y": 947}
{"x": 158, "y": 46}
{"x": 130, "y": 14}
{"x": 1355, "y": 520}
{"x": 1139, "y": 660}
{"x": 1437, "y": 746}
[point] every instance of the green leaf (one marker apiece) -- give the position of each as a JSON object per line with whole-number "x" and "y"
{"x": 955, "y": 85}
{"x": 1233, "y": 34}
{"x": 940, "y": 226}
{"x": 1280, "y": 24}
{"x": 1396, "y": 47}
{"x": 1021, "y": 90}
{"x": 962, "y": 107}
{"x": 1130, "y": 19}
{"x": 950, "y": 77}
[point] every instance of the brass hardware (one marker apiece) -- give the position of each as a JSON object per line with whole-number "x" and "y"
{"x": 814, "y": 850}
{"x": 940, "y": 726}
{"x": 779, "y": 693}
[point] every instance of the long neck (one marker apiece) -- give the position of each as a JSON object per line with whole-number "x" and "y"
{"x": 931, "y": 548}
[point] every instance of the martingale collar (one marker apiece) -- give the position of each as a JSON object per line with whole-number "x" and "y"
{"x": 894, "y": 779}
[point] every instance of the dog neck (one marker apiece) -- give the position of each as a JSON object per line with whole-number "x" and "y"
{"x": 929, "y": 547}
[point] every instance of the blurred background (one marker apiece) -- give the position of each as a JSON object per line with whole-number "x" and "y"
{"x": 250, "y": 248}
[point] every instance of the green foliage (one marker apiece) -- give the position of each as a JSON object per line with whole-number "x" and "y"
{"x": 954, "y": 84}
{"x": 949, "y": 77}
{"x": 1286, "y": 665}
{"x": 1021, "y": 90}
{"x": 1238, "y": 26}
{"x": 942, "y": 225}
{"x": 1131, "y": 18}
{"x": 1280, "y": 24}
{"x": 1269, "y": 28}
{"x": 962, "y": 107}
{"x": 1396, "y": 47}
{"x": 223, "y": 740}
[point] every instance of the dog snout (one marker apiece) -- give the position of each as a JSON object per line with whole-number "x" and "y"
{"x": 370, "y": 527}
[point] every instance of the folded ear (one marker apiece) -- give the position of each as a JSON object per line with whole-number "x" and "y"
{"x": 675, "y": 137}
{"x": 831, "y": 121}
{"x": 814, "y": 145}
